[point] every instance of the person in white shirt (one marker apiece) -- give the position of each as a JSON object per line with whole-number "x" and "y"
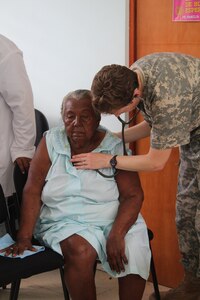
{"x": 17, "y": 117}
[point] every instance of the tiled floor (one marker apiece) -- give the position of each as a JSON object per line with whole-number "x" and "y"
{"x": 47, "y": 286}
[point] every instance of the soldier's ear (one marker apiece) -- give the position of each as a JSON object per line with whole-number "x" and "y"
{"x": 136, "y": 92}
{"x": 135, "y": 100}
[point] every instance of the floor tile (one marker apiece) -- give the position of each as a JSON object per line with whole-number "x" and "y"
{"x": 47, "y": 286}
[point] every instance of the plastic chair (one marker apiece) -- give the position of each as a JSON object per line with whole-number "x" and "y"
{"x": 15, "y": 269}
{"x": 42, "y": 126}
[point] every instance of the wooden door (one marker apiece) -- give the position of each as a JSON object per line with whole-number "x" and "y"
{"x": 152, "y": 30}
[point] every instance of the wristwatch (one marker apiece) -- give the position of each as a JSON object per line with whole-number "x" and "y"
{"x": 113, "y": 162}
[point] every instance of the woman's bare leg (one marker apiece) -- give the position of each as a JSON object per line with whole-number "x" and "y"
{"x": 131, "y": 287}
{"x": 80, "y": 258}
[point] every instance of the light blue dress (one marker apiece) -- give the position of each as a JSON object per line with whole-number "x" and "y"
{"x": 85, "y": 203}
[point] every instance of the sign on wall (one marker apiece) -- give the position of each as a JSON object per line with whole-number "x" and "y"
{"x": 186, "y": 10}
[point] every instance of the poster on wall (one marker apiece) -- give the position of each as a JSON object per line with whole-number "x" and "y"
{"x": 186, "y": 10}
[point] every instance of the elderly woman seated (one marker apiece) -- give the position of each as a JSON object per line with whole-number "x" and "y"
{"x": 81, "y": 214}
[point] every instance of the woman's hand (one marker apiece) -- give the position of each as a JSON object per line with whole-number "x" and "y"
{"x": 91, "y": 161}
{"x": 19, "y": 247}
{"x": 116, "y": 256}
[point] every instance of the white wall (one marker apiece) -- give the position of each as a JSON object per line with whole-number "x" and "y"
{"x": 65, "y": 42}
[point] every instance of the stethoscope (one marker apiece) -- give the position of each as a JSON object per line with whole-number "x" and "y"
{"x": 123, "y": 123}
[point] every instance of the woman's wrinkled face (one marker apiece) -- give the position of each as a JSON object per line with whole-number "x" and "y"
{"x": 80, "y": 121}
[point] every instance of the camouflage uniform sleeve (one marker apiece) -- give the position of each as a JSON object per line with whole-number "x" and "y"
{"x": 171, "y": 111}
{"x": 168, "y": 98}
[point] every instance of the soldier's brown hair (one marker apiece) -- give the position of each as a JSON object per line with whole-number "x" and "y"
{"x": 113, "y": 87}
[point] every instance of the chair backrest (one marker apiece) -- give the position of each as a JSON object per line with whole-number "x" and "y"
{"x": 4, "y": 214}
{"x": 19, "y": 182}
{"x": 19, "y": 178}
{"x": 41, "y": 125}
{"x": 3, "y": 207}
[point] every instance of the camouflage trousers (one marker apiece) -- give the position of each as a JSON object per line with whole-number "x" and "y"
{"x": 188, "y": 204}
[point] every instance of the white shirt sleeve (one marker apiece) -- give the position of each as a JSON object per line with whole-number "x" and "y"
{"x": 17, "y": 93}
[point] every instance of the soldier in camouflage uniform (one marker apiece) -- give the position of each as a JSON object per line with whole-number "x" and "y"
{"x": 169, "y": 84}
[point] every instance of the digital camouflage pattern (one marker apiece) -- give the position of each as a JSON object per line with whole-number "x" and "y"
{"x": 171, "y": 93}
{"x": 171, "y": 105}
{"x": 188, "y": 204}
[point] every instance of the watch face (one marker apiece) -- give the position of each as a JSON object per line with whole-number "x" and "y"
{"x": 113, "y": 161}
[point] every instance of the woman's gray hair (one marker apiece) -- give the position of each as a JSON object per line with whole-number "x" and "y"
{"x": 78, "y": 95}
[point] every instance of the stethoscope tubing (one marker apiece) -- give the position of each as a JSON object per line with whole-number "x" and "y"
{"x": 124, "y": 123}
